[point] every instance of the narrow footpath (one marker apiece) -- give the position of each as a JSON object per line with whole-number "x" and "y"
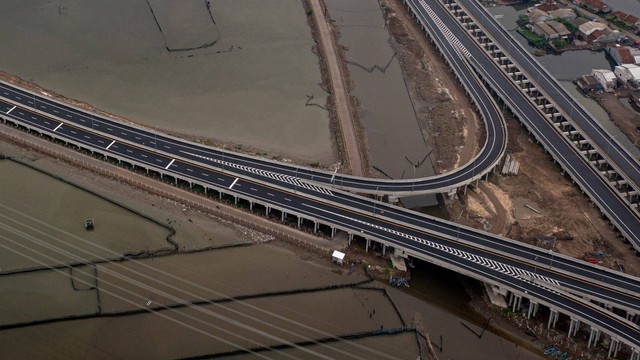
{"x": 339, "y": 90}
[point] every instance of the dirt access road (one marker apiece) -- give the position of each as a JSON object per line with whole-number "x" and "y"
{"x": 338, "y": 90}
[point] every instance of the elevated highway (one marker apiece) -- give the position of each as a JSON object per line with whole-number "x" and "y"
{"x": 564, "y": 138}
{"x": 562, "y": 284}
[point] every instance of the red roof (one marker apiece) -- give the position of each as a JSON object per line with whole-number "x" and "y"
{"x": 548, "y": 6}
{"x": 594, "y": 35}
{"x": 631, "y": 19}
{"x": 625, "y": 55}
{"x": 625, "y": 17}
{"x": 595, "y": 4}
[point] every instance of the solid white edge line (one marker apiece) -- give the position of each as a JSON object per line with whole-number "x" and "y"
{"x": 171, "y": 163}
{"x": 233, "y": 183}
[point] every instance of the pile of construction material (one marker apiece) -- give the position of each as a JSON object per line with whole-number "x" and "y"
{"x": 510, "y": 166}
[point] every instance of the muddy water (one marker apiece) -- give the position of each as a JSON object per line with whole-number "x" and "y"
{"x": 401, "y": 346}
{"x": 249, "y": 88}
{"x": 390, "y": 124}
{"x": 211, "y": 275}
{"x": 152, "y": 336}
{"x": 440, "y": 301}
{"x": 42, "y": 223}
{"x": 46, "y": 295}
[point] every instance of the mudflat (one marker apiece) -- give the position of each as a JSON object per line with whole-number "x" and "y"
{"x": 212, "y": 77}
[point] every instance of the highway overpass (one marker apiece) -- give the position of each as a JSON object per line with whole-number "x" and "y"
{"x": 544, "y": 278}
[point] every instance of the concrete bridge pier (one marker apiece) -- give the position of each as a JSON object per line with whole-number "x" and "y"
{"x": 366, "y": 249}
{"x": 333, "y": 232}
{"x": 267, "y": 211}
{"x": 635, "y": 354}
{"x": 594, "y": 336}
{"x": 533, "y": 309}
{"x": 553, "y": 319}
{"x": 384, "y": 249}
{"x": 614, "y": 347}
{"x": 283, "y": 216}
{"x": 573, "y": 327}
{"x": 631, "y": 317}
{"x": 350, "y": 239}
{"x": 315, "y": 227}
{"x": 299, "y": 221}
{"x": 515, "y": 301}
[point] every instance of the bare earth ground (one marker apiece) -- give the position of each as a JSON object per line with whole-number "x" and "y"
{"x": 448, "y": 120}
{"x": 627, "y": 120}
{"x": 498, "y": 206}
{"x": 565, "y": 213}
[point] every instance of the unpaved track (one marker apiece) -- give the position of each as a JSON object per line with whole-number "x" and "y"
{"x": 339, "y": 90}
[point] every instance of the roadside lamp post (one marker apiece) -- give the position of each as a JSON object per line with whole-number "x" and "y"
{"x": 155, "y": 137}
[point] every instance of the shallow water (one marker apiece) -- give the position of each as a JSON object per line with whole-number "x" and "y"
{"x": 249, "y": 88}
{"x": 42, "y": 223}
{"x": 387, "y": 114}
{"x": 211, "y": 328}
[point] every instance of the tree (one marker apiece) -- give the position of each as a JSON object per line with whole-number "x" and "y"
{"x": 559, "y": 43}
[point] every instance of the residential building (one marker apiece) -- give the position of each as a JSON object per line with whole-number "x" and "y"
{"x": 588, "y": 27}
{"x": 551, "y": 30}
{"x": 536, "y": 15}
{"x": 628, "y": 74}
{"x": 627, "y": 18}
{"x": 588, "y": 83}
{"x": 548, "y": 5}
{"x": 565, "y": 14}
{"x": 595, "y": 6}
{"x": 606, "y": 78}
{"x": 624, "y": 55}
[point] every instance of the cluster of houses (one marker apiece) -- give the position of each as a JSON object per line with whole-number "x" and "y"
{"x": 603, "y": 80}
{"x": 551, "y": 21}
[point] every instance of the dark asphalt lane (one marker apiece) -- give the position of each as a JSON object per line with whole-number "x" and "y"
{"x": 584, "y": 121}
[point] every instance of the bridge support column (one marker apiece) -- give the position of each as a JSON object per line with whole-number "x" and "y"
{"x": 366, "y": 249}
{"x": 635, "y": 354}
{"x": 350, "y": 239}
{"x": 284, "y": 215}
{"x": 516, "y": 302}
{"x": 384, "y": 249}
{"x": 250, "y": 205}
{"x": 614, "y": 347}
{"x": 315, "y": 227}
{"x": 573, "y": 327}
{"x": 267, "y": 211}
{"x": 333, "y": 232}
{"x": 594, "y": 336}
{"x": 553, "y": 319}
{"x": 631, "y": 316}
{"x": 533, "y": 309}
{"x": 235, "y": 200}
